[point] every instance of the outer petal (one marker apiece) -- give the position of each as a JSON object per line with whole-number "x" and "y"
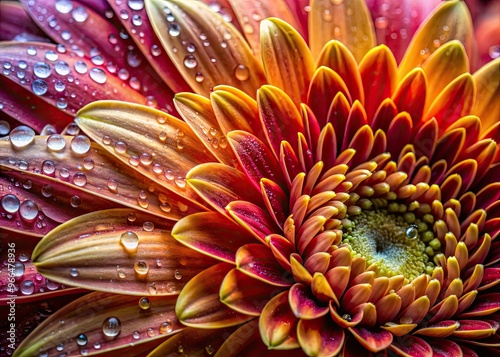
{"x": 337, "y": 20}
{"x": 194, "y": 26}
{"x": 487, "y": 104}
{"x": 198, "y": 304}
{"x": 118, "y": 251}
{"x": 374, "y": 341}
{"x": 320, "y": 337}
{"x": 16, "y": 25}
{"x": 450, "y": 21}
{"x": 89, "y": 315}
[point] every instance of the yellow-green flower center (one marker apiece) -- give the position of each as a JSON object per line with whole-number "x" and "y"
{"x": 397, "y": 244}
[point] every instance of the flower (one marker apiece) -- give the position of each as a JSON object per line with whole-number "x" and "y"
{"x": 351, "y": 207}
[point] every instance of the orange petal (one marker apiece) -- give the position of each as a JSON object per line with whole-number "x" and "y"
{"x": 196, "y": 27}
{"x": 410, "y": 94}
{"x": 337, "y": 20}
{"x": 320, "y": 337}
{"x": 287, "y": 60}
{"x": 487, "y": 104}
{"x": 450, "y": 21}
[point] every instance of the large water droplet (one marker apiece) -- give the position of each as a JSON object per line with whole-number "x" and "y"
{"x": 81, "y": 340}
{"x": 136, "y": 4}
{"x": 80, "y": 14}
{"x": 64, "y": 6}
{"x": 28, "y": 210}
{"x": 98, "y": 75}
{"x": 41, "y": 70}
{"x": 80, "y": 144}
{"x": 166, "y": 327}
{"x": 19, "y": 269}
{"x": 62, "y": 68}
{"x": 81, "y": 67}
{"x": 4, "y": 128}
{"x": 144, "y": 303}
{"x": 174, "y": 29}
{"x": 111, "y": 327}
{"x": 412, "y": 232}
{"x": 241, "y": 72}
{"x": 80, "y": 179}
{"x": 73, "y": 272}
{"x": 10, "y": 203}
{"x": 56, "y": 142}
{"x": 27, "y": 287}
{"x": 39, "y": 87}
{"x": 51, "y": 55}
{"x": 190, "y": 61}
{"x": 22, "y": 136}
{"x": 129, "y": 240}
{"x": 48, "y": 167}
{"x": 141, "y": 267}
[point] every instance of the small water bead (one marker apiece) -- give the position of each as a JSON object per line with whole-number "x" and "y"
{"x": 155, "y": 50}
{"x": 177, "y": 275}
{"x": 62, "y": 68}
{"x": 60, "y": 347}
{"x": 136, "y": 335}
{"x": 51, "y": 56}
{"x": 42, "y": 70}
{"x": 27, "y": 185}
{"x": 131, "y": 217}
{"x": 47, "y": 191}
{"x": 66, "y": 35}
{"x": 80, "y": 144}
{"x": 64, "y": 6}
{"x": 129, "y": 240}
{"x": 136, "y": 4}
{"x": 31, "y": 50}
{"x": 88, "y": 163}
{"x": 10, "y": 203}
{"x": 27, "y": 287}
{"x": 210, "y": 350}
{"x": 75, "y": 201}
{"x": 73, "y": 272}
{"x": 19, "y": 269}
{"x": 123, "y": 74}
{"x": 97, "y": 345}
{"x": 174, "y": 29}
{"x": 347, "y": 317}
{"x": 144, "y": 303}
{"x": 81, "y": 340}
{"x": 146, "y": 158}
{"x": 98, "y": 75}
{"x": 81, "y": 67}
{"x": 133, "y": 59}
{"x": 157, "y": 169}
{"x": 39, "y": 87}
{"x": 111, "y": 327}
{"x": 48, "y": 130}
{"x": 134, "y": 160}
{"x": 141, "y": 267}
{"x": 494, "y": 51}
{"x": 120, "y": 147}
{"x": 80, "y": 179}
{"x": 56, "y": 142}
{"x": 148, "y": 226}
{"x": 21, "y": 136}
{"x": 106, "y": 140}
{"x": 166, "y": 207}
{"x": 72, "y": 129}
{"x": 63, "y": 173}
{"x": 199, "y": 77}
{"x": 59, "y": 86}
{"x": 381, "y": 22}
{"x": 4, "y": 128}
{"x": 23, "y": 257}
{"x": 151, "y": 332}
{"x": 412, "y": 232}
{"x": 180, "y": 181}
{"x": 137, "y": 20}
{"x": 28, "y": 210}
{"x": 166, "y": 327}
{"x": 48, "y": 167}
{"x": 98, "y": 60}
{"x": 79, "y": 14}
{"x": 121, "y": 274}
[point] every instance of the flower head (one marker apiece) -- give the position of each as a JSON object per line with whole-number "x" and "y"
{"x": 311, "y": 196}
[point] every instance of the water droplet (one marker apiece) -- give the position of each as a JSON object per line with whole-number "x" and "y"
{"x": 21, "y": 136}
{"x": 199, "y": 77}
{"x": 47, "y": 191}
{"x": 27, "y": 287}
{"x": 148, "y": 226}
{"x": 210, "y": 350}
{"x": 88, "y": 163}
{"x": 79, "y": 14}
{"x": 494, "y": 51}
{"x": 64, "y": 6}
{"x": 75, "y": 201}
{"x": 48, "y": 167}
{"x": 155, "y": 50}
{"x": 123, "y": 74}
{"x": 73, "y": 272}
{"x": 141, "y": 267}
{"x": 412, "y": 232}
{"x": 134, "y": 160}
{"x": 97, "y": 345}
{"x": 62, "y": 68}
{"x": 166, "y": 327}
{"x": 112, "y": 185}
{"x": 166, "y": 207}
{"x": 10, "y": 203}
{"x": 72, "y": 129}
{"x": 347, "y": 317}
{"x": 42, "y": 70}
{"x": 28, "y": 210}
{"x": 80, "y": 144}
{"x": 60, "y": 347}
{"x": 174, "y": 29}
{"x": 98, "y": 75}
{"x": 56, "y": 142}
{"x": 111, "y": 327}
{"x": 136, "y": 335}
{"x": 81, "y": 67}
{"x": 120, "y": 147}
{"x": 146, "y": 158}
{"x": 81, "y": 340}
{"x": 129, "y": 240}
{"x": 133, "y": 59}
{"x": 4, "y": 128}
{"x": 151, "y": 332}
{"x": 51, "y": 55}
{"x": 381, "y": 22}
{"x": 63, "y": 173}
{"x": 39, "y": 87}
{"x": 80, "y": 179}
{"x": 144, "y": 303}
{"x": 136, "y": 4}
{"x": 31, "y": 50}
{"x": 180, "y": 181}
{"x": 66, "y": 35}
{"x": 18, "y": 269}
{"x": 131, "y": 217}
{"x": 61, "y": 48}
{"x": 59, "y": 86}
{"x": 137, "y": 20}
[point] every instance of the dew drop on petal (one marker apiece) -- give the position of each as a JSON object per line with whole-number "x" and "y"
{"x": 174, "y": 29}
{"x": 148, "y": 226}
{"x": 39, "y": 87}
{"x": 199, "y": 77}
{"x": 79, "y": 179}
{"x": 144, "y": 303}
{"x": 27, "y": 287}
{"x": 411, "y": 232}
{"x": 98, "y": 75}
{"x": 141, "y": 267}
{"x": 81, "y": 67}
{"x": 64, "y": 6}
{"x": 42, "y": 70}
{"x": 73, "y": 272}
{"x": 155, "y": 50}
{"x": 19, "y": 269}
{"x": 4, "y": 128}
{"x": 190, "y": 61}
{"x": 51, "y": 56}
{"x": 56, "y": 142}
{"x": 88, "y": 163}
{"x": 47, "y": 191}
{"x": 48, "y": 167}
{"x": 177, "y": 275}
{"x": 79, "y": 14}
{"x": 80, "y": 144}
{"x": 21, "y": 136}
{"x": 62, "y": 68}
{"x": 81, "y": 340}
{"x": 111, "y": 327}
{"x": 166, "y": 327}
{"x": 120, "y": 147}
{"x": 10, "y": 203}
{"x": 136, "y": 4}
{"x": 136, "y": 335}
{"x": 28, "y": 210}
{"x": 129, "y": 240}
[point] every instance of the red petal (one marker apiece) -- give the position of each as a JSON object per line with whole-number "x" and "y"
{"x": 372, "y": 340}
{"x": 304, "y": 304}
{"x": 319, "y": 337}
{"x": 253, "y": 218}
{"x": 410, "y": 95}
{"x": 445, "y": 348}
{"x": 411, "y": 346}
{"x": 16, "y": 24}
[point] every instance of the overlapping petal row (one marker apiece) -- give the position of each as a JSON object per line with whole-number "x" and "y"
{"x": 249, "y": 209}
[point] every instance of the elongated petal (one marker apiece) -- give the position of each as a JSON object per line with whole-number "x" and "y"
{"x": 211, "y": 234}
{"x": 277, "y": 324}
{"x": 487, "y": 104}
{"x": 90, "y": 315}
{"x": 320, "y": 337}
{"x": 118, "y": 251}
{"x": 450, "y": 21}
{"x": 256, "y": 220}
{"x": 165, "y": 141}
{"x": 303, "y": 303}
{"x": 411, "y": 93}
{"x": 337, "y": 20}
{"x": 16, "y": 24}
{"x": 287, "y": 60}
{"x": 193, "y": 23}
{"x": 198, "y": 304}
{"x": 374, "y": 341}
{"x": 411, "y": 346}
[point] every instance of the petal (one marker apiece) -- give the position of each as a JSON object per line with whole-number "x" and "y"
{"x": 89, "y": 315}
{"x": 410, "y": 94}
{"x": 257, "y": 261}
{"x": 277, "y": 324}
{"x": 387, "y": 308}
{"x": 118, "y": 251}
{"x": 126, "y": 123}
{"x": 320, "y": 337}
{"x": 483, "y": 306}
{"x": 441, "y": 329}
{"x": 194, "y": 23}
{"x": 288, "y": 63}
{"x": 199, "y": 305}
{"x": 336, "y": 20}
{"x": 16, "y": 24}
{"x": 450, "y": 21}
{"x": 411, "y": 346}
{"x": 487, "y": 104}
{"x": 245, "y": 294}
{"x": 304, "y": 304}
{"x": 474, "y": 330}
{"x": 211, "y": 234}
{"x": 445, "y": 348}
{"x": 372, "y": 340}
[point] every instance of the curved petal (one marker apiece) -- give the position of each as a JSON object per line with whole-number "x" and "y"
{"x": 304, "y": 304}
{"x": 105, "y": 319}
{"x": 411, "y": 346}
{"x": 120, "y": 251}
{"x": 372, "y": 340}
{"x": 199, "y": 305}
{"x": 319, "y": 337}
{"x": 210, "y": 36}
{"x": 487, "y": 104}
{"x": 256, "y": 220}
